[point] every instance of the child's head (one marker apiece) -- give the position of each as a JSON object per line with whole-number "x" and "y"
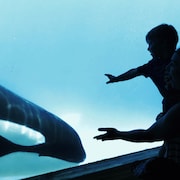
{"x": 164, "y": 33}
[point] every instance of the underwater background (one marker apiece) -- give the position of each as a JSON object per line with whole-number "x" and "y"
{"x": 55, "y": 54}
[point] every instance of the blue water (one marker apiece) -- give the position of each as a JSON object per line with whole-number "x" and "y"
{"x": 55, "y": 54}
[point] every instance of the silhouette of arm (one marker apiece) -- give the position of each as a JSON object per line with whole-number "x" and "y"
{"x": 138, "y": 135}
{"x": 123, "y": 77}
{"x": 165, "y": 128}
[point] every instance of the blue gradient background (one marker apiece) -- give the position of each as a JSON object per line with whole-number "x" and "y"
{"x": 55, "y": 53}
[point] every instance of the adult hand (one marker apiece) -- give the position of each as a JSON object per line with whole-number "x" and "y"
{"x": 111, "y": 134}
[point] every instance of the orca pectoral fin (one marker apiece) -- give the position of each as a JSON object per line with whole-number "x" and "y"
{"x": 7, "y": 147}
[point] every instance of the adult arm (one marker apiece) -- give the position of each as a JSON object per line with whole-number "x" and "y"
{"x": 165, "y": 128}
{"x": 138, "y": 135}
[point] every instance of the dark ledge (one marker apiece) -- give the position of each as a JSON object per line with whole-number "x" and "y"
{"x": 117, "y": 168}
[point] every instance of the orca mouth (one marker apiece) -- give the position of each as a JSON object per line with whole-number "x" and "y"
{"x": 59, "y": 152}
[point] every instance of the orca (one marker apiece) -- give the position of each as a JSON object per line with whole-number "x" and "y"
{"x": 61, "y": 140}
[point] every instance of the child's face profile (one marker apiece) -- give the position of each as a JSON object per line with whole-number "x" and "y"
{"x": 155, "y": 48}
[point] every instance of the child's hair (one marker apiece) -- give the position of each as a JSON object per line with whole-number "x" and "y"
{"x": 164, "y": 32}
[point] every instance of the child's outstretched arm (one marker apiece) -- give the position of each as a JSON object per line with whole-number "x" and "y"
{"x": 123, "y": 77}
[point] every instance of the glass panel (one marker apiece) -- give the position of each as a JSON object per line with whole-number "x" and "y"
{"x": 55, "y": 53}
